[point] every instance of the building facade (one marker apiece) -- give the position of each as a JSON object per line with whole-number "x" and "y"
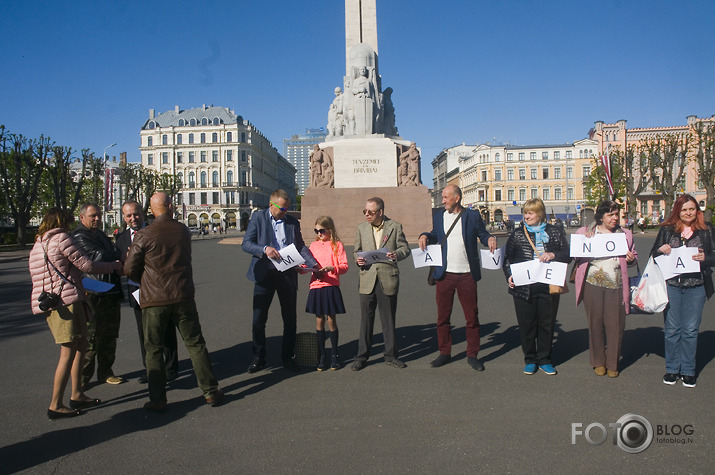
{"x": 618, "y": 136}
{"x": 498, "y": 179}
{"x": 297, "y": 151}
{"x": 226, "y": 168}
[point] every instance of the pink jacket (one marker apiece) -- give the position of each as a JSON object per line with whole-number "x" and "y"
{"x": 323, "y": 253}
{"x": 583, "y": 262}
{"x": 68, "y": 259}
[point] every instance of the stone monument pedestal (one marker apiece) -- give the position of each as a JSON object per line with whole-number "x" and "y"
{"x": 411, "y": 206}
{"x": 368, "y": 161}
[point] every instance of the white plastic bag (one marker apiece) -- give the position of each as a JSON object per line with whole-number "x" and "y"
{"x": 651, "y": 295}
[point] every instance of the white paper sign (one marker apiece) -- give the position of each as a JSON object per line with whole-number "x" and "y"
{"x": 290, "y": 257}
{"x": 680, "y": 261}
{"x": 432, "y": 256}
{"x": 531, "y": 272}
{"x": 372, "y": 257}
{"x": 600, "y": 245}
{"x": 492, "y": 261}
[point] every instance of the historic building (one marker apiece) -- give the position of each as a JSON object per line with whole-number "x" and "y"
{"x": 618, "y": 135}
{"x": 498, "y": 179}
{"x": 227, "y": 169}
{"x": 297, "y": 151}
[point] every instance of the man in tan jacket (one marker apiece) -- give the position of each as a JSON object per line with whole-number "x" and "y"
{"x": 379, "y": 281}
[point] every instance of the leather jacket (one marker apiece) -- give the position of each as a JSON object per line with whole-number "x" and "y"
{"x": 518, "y": 249}
{"x": 99, "y": 248}
{"x": 160, "y": 260}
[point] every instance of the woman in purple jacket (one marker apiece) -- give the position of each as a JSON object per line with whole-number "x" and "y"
{"x": 602, "y": 285}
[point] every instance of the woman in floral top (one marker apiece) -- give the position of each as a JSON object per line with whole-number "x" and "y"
{"x": 602, "y": 285}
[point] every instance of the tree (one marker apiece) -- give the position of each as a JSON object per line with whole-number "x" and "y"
{"x": 705, "y": 160}
{"x": 64, "y": 184}
{"x": 635, "y": 176}
{"x": 138, "y": 183}
{"x": 21, "y": 167}
{"x": 667, "y": 157}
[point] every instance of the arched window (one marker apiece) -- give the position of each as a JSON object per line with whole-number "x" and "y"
{"x": 191, "y": 138}
{"x": 192, "y": 180}
{"x": 151, "y": 124}
{"x": 182, "y": 122}
{"x": 229, "y": 178}
{"x": 214, "y": 178}
{"x": 497, "y": 157}
{"x": 192, "y": 122}
{"x": 203, "y": 137}
{"x": 180, "y": 179}
{"x": 229, "y": 137}
{"x": 204, "y": 121}
{"x": 203, "y": 179}
{"x": 216, "y": 121}
{"x": 214, "y": 137}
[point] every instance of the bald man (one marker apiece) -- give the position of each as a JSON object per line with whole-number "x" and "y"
{"x": 160, "y": 260}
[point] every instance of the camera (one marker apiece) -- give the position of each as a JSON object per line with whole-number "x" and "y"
{"x": 48, "y": 301}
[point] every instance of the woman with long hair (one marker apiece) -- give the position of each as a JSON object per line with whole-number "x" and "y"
{"x": 56, "y": 266}
{"x": 687, "y": 293}
{"x": 602, "y": 285}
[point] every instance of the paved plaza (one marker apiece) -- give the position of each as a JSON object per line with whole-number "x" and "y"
{"x": 379, "y": 420}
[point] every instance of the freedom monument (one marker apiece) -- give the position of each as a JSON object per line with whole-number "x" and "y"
{"x": 363, "y": 154}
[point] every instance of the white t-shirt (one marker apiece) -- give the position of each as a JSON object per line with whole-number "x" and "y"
{"x": 457, "y": 261}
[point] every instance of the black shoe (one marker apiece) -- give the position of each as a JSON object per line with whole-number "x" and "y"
{"x": 357, "y": 365}
{"x": 62, "y": 415}
{"x": 84, "y": 404}
{"x": 670, "y": 378}
{"x": 475, "y": 363}
{"x": 322, "y": 364}
{"x": 291, "y": 365}
{"x": 688, "y": 381}
{"x": 257, "y": 365}
{"x": 395, "y": 363}
{"x": 143, "y": 379}
{"x": 441, "y": 360}
{"x": 335, "y": 363}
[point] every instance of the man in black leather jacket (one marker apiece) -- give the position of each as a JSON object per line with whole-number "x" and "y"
{"x": 104, "y": 327}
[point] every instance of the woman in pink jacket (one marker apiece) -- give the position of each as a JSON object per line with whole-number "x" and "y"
{"x": 602, "y": 284}
{"x": 56, "y": 267}
{"x": 324, "y": 297}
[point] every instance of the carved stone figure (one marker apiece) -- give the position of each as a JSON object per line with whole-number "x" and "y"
{"x": 327, "y": 180}
{"x": 316, "y": 165}
{"x": 388, "y": 113}
{"x": 336, "y": 120}
{"x": 409, "y": 168}
{"x": 363, "y": 92}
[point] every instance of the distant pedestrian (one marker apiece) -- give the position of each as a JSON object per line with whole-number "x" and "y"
{"x": 324, "y": 298}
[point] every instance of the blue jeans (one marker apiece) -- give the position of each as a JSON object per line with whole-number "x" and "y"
{"x": 682, "y": 323}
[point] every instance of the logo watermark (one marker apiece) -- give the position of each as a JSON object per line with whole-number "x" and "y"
{"x": 632, "y": 433}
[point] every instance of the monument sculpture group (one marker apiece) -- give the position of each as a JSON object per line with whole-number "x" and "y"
{"x": 363, "y": 154}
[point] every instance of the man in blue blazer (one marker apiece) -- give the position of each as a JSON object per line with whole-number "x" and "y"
{"x": 269, "y": 231}
{"x": 460, "y": 271}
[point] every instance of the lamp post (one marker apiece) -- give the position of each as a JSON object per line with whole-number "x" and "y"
{"x": 106, "y": 184}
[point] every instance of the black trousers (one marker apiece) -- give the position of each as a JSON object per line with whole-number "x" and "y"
{"x": 537, "y": 317}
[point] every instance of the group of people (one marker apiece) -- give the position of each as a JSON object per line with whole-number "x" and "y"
{"x": 157, "y": 262}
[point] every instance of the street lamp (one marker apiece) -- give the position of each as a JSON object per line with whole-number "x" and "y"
{"x": 106, "y": 184}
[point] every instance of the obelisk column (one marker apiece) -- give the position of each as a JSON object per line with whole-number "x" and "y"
{"x": 360, "y": 26}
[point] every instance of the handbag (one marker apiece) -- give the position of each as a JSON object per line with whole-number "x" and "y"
{"x": 651, "y": 294}
{"x": 553, "y": 289}
{"x": 430, "y": 275}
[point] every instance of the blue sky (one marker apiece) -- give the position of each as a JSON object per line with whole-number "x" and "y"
{"x": 522, "y": 72}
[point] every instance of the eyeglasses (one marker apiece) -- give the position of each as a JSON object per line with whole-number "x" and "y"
{"x": 367, "y": 212}
{"x": 282, "y": 209}
{"x": 320, "y": 231}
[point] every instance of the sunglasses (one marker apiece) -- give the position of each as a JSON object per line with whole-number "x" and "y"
{"x": 367, "y": 212}
{"x": 282, "y": 209}
{"x": 320, "y": 231}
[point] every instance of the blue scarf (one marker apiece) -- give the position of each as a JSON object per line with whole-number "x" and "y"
{"x": 540, "y": 234}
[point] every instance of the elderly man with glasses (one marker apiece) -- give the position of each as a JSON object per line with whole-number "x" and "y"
{"x": 379, "y": 280}
{"x": 268, "y": 232}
